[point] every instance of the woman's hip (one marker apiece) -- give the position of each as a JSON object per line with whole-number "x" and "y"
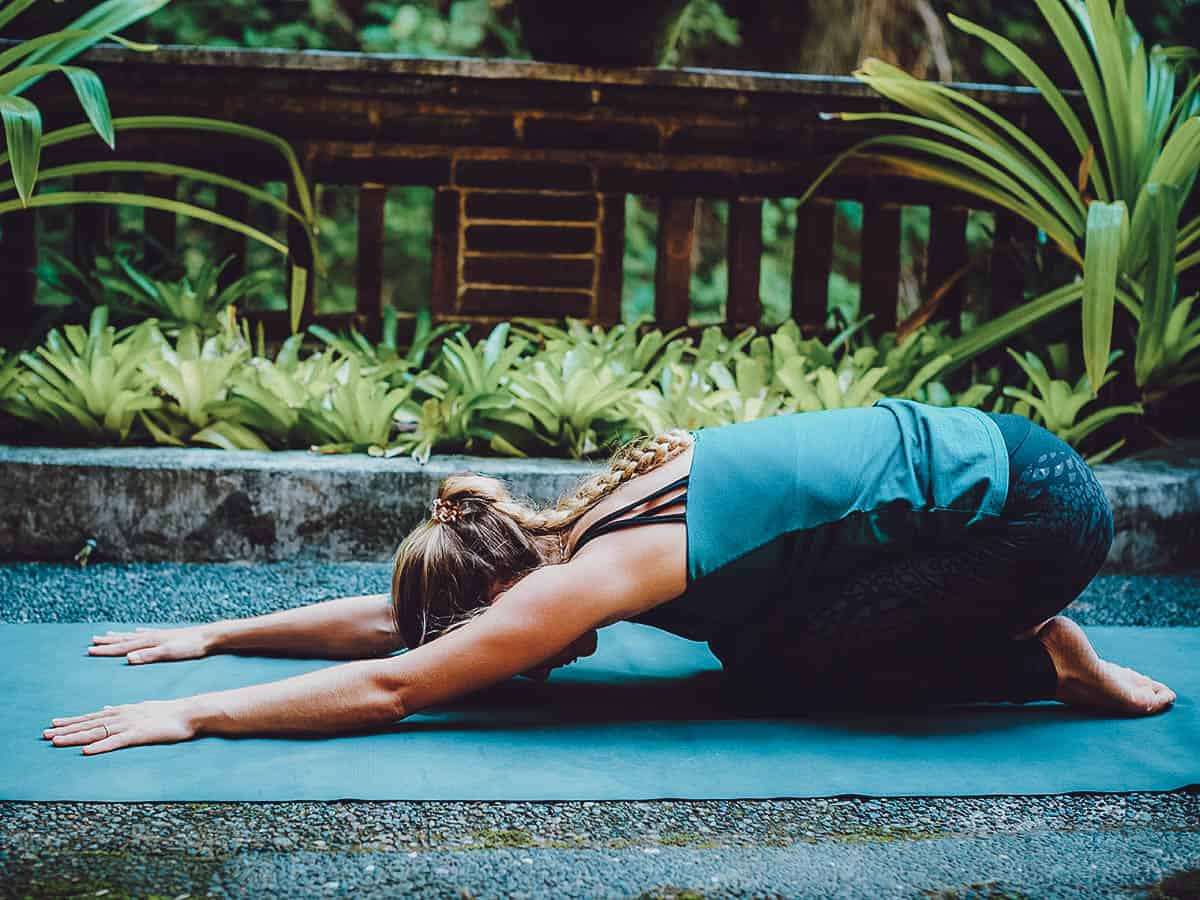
{"x": 1056, "y": 506}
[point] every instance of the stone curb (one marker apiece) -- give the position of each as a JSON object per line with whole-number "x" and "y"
{"x": 162, "y": 504}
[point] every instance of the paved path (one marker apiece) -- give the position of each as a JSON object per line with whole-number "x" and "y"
{"x": 1108, "y": 845}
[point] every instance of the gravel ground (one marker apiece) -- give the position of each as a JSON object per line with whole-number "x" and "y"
{"x": 170, "y": 592}
{"x": 1143, "y": 863}
{"x": 1056, "y": 846}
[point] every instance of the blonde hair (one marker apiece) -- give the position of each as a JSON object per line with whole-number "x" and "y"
{"x": 480, "y": 538}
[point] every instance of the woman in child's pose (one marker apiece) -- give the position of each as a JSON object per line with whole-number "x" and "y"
{"x": 893, "y": 556}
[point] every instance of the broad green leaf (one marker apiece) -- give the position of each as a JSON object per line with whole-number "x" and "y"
{"x": 1108, "y": 225}
{"x": 298, "y": 295}
{"x": 23, "y": 134}
{"x": 90, "y": 91}
{"x": 1158, "y": 297}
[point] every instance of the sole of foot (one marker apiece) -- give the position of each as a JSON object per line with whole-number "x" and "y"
{"x": 1087, "y": 681}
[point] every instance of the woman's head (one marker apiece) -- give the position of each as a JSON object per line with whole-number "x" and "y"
{"x": 474, "y": 544}
{"x": 478, "y": 540}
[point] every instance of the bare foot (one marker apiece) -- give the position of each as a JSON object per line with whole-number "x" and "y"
{"x": 1086, "y": 680}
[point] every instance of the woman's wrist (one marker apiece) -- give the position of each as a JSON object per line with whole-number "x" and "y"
{"x": 194, "y": 712}
{"x": 217, "y": 636}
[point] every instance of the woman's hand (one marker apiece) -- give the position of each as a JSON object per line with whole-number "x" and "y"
{"x": 146, "y": 645}
{"x": 114, "y": 727}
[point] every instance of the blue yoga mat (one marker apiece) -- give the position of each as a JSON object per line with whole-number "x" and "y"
{"x": 643, "y": 718}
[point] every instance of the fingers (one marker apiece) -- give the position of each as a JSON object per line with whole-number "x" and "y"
{"x": 119, "y": 649}
{"x": 71, "y": 720}
{"x": 72, "y": 733}
{"x": 111, "y": 637}
{"x": 93, "y": 738}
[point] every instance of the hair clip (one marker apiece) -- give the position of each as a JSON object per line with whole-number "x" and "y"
{"x": 445, "y": 510}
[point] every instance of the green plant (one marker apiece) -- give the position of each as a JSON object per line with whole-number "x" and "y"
{"x": 1057, "y": 404}
{"x": 618, "y": 348}
{"x": 87, "y": 383}
{"x": 34, "y": 58}
{"x": 269, "y": 394}
{"x": 385, "y": 357}
{"x": 194, "y": 381}
{"x": 466, "y": 399}
{"x": 678, "y": 399}
{"x": 8, "y": 379}
{"x": 577, "y": 398}
{"x": 1148, "y": 134}
{"x": 132, "y": 294}
{"x": 356, "y": 413}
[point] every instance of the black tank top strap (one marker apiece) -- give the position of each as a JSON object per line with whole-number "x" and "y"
{"x": 613, "y": 521}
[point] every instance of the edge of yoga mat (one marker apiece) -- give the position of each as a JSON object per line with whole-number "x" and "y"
{"x": 636, "y": 721}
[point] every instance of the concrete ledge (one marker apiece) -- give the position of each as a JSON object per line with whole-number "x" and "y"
{"x": 160, "y": 504}
{"x": 164, "y": 504}
{"x": 1155, "y": 498}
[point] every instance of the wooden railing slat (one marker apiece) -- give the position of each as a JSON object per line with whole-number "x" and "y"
{"x": 673, "y": 267}
{"x": 880, "y": 264}
{"x": 745, "y": 249}
{"x": 160, "y": 224}
{"x": 444, "y": 277}
{"x": 611, "y": 275}
{"x": 812, "y": 262}
{"x": 1007, "y": 281}
{"x": 18, "y": 261}
{"x": 91, "y": 223}
{"x": 945, "y": 256}
{"x": 369, "y": 303}
{"x": 235, "y": 205}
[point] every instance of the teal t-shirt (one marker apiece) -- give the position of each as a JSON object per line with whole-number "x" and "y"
{"x": 778, "y": 506}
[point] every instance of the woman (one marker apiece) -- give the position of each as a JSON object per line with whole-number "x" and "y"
{"x": 893, "y": 556}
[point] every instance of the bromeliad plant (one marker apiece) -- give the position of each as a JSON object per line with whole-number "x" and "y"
{"x": 132, "y": 294}
{"x": 35, "y": 58}
{"x": 357, "y": 413}
{"x": 466, "y": 401}
{"x": 194, "y": 379}
{"x": 1057, "y": 404}
{"x": 87, "y": 383}
{"x": 578, "y": 399}
{"x": 1116, "y": 216}
{"x": 386, "y": 357}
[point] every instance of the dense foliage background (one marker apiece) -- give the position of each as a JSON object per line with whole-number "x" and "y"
{"x": 770, "y": 35}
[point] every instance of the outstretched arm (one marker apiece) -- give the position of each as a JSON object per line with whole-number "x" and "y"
{"x": 540, "y": 616}
{"x": 345, "y": 628}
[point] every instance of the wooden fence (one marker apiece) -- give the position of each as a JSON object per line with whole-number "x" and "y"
{"x": 530, "y": 165}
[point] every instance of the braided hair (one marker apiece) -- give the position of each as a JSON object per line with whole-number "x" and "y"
{"x": 479, "y": 539}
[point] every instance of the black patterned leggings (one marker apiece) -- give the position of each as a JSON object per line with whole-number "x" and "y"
{"x": 939, "y": 627}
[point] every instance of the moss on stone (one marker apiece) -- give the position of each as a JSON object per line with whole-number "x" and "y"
{"x": 670, "y": 892}
{"x": 687, "y": 839}
{"x": 494, "y": 839}
{"x": 884, "y": 834}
